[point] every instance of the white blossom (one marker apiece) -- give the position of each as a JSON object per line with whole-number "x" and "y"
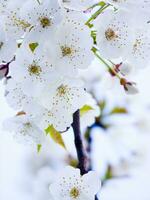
{"x": 43, "y": 17}
{"x": 71, "y": 185}
{"x": 33, "y": 70}
{"x": 14, "y": 25}
{"x": 114, "y": 34}
{"x": 139, "y": 53}
{"x": 72, "y": 49}
{"x": 24, "y": 129}
{"x": 7, "y": 47}
{"x": 67, "y": 94}
{"x": 15, "y": 96}
{"x": 58, "y": 103}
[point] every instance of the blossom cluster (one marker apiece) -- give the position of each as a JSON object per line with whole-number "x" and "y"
{"x": 46, "y": 44}
{"x": 50, "y": 46}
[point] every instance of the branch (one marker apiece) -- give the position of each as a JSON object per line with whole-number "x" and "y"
{"x": 82, "y": 157}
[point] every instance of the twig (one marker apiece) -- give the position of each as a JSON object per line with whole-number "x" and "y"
{"x": 82, "y": 157}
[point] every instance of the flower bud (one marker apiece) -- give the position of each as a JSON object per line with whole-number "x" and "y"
{"x": 129, "y": 87}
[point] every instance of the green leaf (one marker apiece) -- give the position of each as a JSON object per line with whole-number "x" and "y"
{"x": 102, "y": 105}
{"x": 55, "y": 135}
{"x": 39, "y": 146}
{"x": 108, "y": 174}
{"x": 85, "y": 109}
{"x": 33, "y": 46}
{"x": 119, "y": 110}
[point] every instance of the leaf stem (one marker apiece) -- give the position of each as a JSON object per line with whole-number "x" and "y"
{"x": 96, "y": 14}
{"x": 95, "y": 51}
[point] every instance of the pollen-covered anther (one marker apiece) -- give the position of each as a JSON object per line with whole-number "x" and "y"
{"x": 110, "y": 34}
{"x": 45, "y": 22}
{"x": 74, "y": 193}
{"x": 34, "y": 69}
{"x": 66, "y": 51}
{"x": 62, "y": 90}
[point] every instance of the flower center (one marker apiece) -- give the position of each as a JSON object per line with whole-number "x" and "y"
{"x": 136, "y": 45}
{"x": 28, "y": 125}
{"x": 62, "y": 90}
{"x": 110, "y": 34}
{"x": 45, "y": 22}
{"x": 1, "y": 45}
{"x": 74, "y": 193}
{"x": 35, "y": 69}
{"x": 66, "y": 51}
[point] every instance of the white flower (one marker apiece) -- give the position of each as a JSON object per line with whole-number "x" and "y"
{"x": 72, "y": 49}
{"x": 25, "y": 129}
{"x": 71, "y": 185}
{"x": 114, "y": 34}
{"x": 77, "y": 4}
{"x": 59, "y": 119}
{"x": 139, "y": 53}
{"x": 14, "y": 25}
{"x": 7, "y": 47}
{"x": 33, "y": 71}
{"x": 42, "y": 17}
{"x": 66, "y": 93}
{"x": 58, "y": 103}
{"x": 14, "y": 95}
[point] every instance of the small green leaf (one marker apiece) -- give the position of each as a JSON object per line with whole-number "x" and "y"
{"x": 119, "y": 110}
{"x": 102, "y": 105}
{"x": 33, "y": 46}
{"x": 39, "y": 146}
{"x": 108, "y": 174}
{"x": 85, "y": 109}
{"x": 55, "y": 135}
